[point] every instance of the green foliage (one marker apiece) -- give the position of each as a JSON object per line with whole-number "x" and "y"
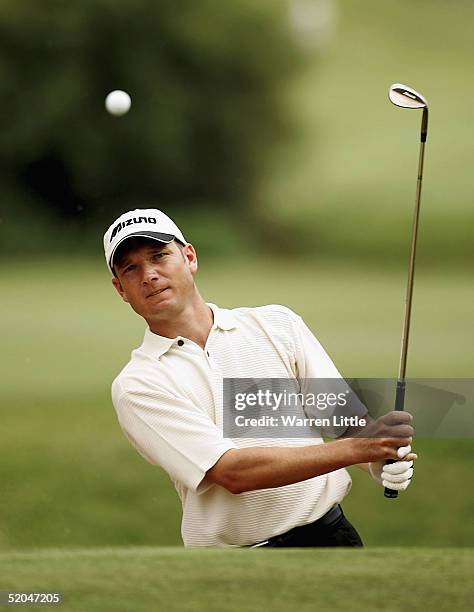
{"x": 204, "y": 79}
{"x": 296, "y": 148}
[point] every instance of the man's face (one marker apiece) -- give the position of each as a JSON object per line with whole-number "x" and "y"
{"x": 157, "y": 280}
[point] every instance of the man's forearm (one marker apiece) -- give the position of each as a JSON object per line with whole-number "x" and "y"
{"x": 248, "y": 469}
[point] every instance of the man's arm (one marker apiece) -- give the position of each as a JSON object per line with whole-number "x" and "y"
{"x": 248, "y": 469}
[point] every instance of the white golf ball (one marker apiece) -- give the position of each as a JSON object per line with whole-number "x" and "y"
{"x": 118, "y": 102}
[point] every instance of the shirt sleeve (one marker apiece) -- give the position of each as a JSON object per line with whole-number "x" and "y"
{"x": 319, "y": 378}
{"x": 311, "y": 359}
{"x": 172, "y": 432}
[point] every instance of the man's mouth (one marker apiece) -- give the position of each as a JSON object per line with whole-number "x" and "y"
{"x": 157, "y": 292}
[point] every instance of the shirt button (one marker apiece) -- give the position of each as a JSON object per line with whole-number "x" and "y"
{"x": 180, "y": 342}
{"x": 207, "y": 353}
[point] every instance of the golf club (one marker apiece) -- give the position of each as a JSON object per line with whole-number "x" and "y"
{"x": 406, "y": 97}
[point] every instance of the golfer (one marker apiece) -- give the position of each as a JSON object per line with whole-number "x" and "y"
{"x": 169, "y": 401}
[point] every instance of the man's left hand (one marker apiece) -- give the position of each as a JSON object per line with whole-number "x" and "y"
{"x": 397, "y": 475}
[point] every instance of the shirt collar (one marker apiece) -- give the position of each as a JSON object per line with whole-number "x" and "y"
{"x": 223, "y": 319}
{"x": 158, "y": 345}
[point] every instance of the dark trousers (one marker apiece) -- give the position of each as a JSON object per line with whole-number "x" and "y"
{"x": 338, "y": 533}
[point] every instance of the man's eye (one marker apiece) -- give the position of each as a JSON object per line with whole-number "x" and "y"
{"x": 158, "y": 255}
{"x": 128, "y": 269}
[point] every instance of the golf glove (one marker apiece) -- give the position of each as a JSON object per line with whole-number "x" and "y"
{"x": 395, "y": 476}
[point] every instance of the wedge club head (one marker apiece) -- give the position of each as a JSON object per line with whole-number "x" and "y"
{"x": 406, "y": 97}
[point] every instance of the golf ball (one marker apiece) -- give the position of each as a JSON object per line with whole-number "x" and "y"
{"x": 118, "y": 102}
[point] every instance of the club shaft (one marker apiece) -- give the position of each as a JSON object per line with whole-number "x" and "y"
{"x": 411, "y": 268}
{"x": 401, "y": 384}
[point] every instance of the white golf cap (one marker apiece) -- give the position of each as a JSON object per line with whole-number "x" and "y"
{"x": 146, "y": 223}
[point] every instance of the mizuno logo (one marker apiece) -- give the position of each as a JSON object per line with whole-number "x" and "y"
{"x": 123, "y": 224}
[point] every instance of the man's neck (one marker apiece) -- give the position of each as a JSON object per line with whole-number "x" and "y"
{"x": 194, "y": 322}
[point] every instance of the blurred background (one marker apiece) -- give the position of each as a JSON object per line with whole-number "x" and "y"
{"x": 264, "y": 129}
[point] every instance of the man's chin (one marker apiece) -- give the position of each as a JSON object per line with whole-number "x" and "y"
{"x": 165, "y": 304}
{"x": 156, "y": 308}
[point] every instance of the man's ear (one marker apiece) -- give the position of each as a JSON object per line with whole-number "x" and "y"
{"x": 190, "y": 256}
{"x": 116, "y": 283}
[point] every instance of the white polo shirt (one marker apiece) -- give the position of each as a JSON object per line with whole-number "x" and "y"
{"x": 169, "y": 402}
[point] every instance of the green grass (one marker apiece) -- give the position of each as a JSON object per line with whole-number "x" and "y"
{"x": 281, "y": 580}
{"x": 70, "y": 479}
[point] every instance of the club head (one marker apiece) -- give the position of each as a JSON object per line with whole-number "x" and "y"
{"x": 406, "y": 97}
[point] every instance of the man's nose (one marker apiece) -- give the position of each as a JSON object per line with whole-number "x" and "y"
{"x": 149, "y": 273}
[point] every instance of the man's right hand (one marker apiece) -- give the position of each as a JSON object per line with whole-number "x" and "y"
{"x": 381, "y": 439}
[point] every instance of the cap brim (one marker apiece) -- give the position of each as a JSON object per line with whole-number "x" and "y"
{"x": 158, "y": 236}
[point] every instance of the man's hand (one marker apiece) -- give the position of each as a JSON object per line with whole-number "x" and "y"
{"x": 397, "y": 475}
{"x": 382, "y": 439}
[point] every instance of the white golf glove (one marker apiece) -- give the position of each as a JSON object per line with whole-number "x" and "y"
{"x": 395, "y": 476}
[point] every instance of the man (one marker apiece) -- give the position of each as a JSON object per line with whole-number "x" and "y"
{"x": 169, "y": 402}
